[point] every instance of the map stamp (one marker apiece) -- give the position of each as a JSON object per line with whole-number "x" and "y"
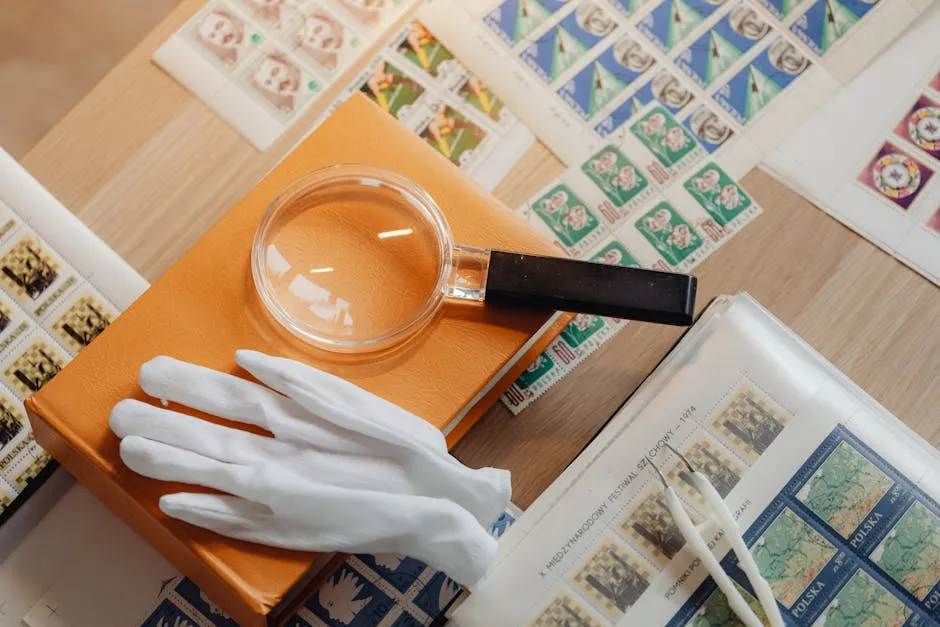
{"x": 715, "y": 611}
{"x": 910, "y": 553}
{"x": 844, "y": 489}
{"x": 863, "y": 602}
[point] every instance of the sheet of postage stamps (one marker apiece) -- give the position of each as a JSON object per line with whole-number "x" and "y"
{"x": 567, "y": 42}
{"x": 423, "y": 85}
{"x": 650, "y": 200}
{"x": 718, "y": 49}
{"x": 753, "y": 87}
{"x": 48, "y": 313}
{"x": 365, "y": 590}
{"x": 671, "y": 21}
{"x": 848, "y": 541}
{"x": 826, "y": 22}
{"x": 618, "y": 67}
{"x": 261, "y": 63}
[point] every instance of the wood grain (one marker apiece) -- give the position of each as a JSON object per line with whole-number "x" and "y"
{"x": 52, "y": 52}
{"x": 150, "y": 168}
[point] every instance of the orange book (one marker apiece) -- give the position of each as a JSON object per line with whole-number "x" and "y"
{"x": 204, "y": 308}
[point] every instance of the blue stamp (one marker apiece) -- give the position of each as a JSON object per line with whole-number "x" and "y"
{"x": 349, "y": 598}
{"x": 716, "y": 50}
{"x": 513, "y": 20}
{"x": 664, "y": 88}
{"x": 437, "y": 594}
{"x": 827, "y": 21}
{"x": 602, "y": 80}
{"x": 399, "y": 571}
{"x": 709, "y": 128}
{"x": 201, "y": 603}
{"x": 672, "y": 20}
{"x": 563, "y": 45}
{"x": 780, "y": 9}
{"x": 167, "y": 613}
{"x": 754, "y": 86}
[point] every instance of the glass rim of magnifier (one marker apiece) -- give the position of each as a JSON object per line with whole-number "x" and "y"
{"x": 354, "y": 174}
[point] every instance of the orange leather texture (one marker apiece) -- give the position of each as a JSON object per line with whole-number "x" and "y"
{"x": 204, "y": 308}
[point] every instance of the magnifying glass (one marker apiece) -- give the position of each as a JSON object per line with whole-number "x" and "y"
{"x": 356, "y": 258}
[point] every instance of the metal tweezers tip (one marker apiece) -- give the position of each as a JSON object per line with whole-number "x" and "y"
{"x": 680, "y": 456}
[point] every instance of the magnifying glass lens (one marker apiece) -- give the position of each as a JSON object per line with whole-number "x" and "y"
{"x": 349, "y": 263}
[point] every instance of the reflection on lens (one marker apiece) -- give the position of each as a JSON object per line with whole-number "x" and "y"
{"x": 352, "y": 260}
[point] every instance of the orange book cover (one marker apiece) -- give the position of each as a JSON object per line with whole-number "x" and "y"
{"x": 204, "y": 308}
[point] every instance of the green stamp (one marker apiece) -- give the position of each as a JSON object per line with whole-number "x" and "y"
{"x": 863, "y": 602}
{"x": 616, "y": 176}
{"x": 718, "y": 194}
{"x": 582, "y": 329}
{"x": 844, "y": 489}
{"x": 669, "y": 233}
{"x": 789, "y": 555}
{"x": 567, "y": 216}
{"x": 664, "y": 137}
{"x": 910, "y": 553}
{"x": 542, "y": 365}
{"x": 614, "y": 254}
{"x": 716, "y": 612}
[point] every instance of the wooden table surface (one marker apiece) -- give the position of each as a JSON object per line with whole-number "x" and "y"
{"x": 149, "y": 168}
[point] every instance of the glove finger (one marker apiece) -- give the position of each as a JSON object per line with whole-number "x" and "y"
{"x": 169, "y": 463}
{"x": 132, "y": 417}
{"x": 228, "y": 515}
{"x": 341, "y": 402}
{"x": 217, "y": 393}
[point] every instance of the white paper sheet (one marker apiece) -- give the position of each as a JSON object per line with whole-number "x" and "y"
{"x": 774, "y": 426}
{"x": 831, "y": 159}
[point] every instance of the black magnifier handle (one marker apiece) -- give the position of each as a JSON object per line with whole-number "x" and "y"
{"x": 592, "y": 288}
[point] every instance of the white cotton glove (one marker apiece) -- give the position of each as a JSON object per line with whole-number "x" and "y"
{"x": 346, "y": 470}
